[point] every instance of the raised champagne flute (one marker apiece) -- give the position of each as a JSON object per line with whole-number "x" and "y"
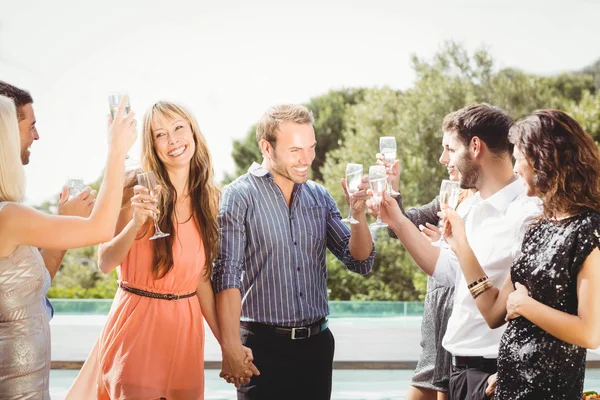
{"x": 114, "y": 99}
{"x": 449, "y": 195}
{"x": 387, "y": 148}
{"x": 75, "y": 185}
{"x": 354, "y": 174}
{"x": 377, "y": 181}
{"x": 148, "y": 180}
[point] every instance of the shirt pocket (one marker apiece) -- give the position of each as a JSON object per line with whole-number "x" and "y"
{"x": 314, "y": 221}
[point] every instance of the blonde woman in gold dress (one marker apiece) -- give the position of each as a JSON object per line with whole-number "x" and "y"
{"x": 24, "y": 328}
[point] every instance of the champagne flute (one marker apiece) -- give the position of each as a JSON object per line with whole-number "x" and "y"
{"x": 449, "y": 195}
{"x": 353, "y": 179}
{"x": 148, "y": 180}
{"x": 75, "y": 185}
{"x": 377, "y": 181}
{"x": 114, "y": 99}
{"x": 387, "y": 147}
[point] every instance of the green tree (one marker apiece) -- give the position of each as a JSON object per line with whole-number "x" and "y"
{"x": 451, "y": 80}
{"x": 587, "y": 113}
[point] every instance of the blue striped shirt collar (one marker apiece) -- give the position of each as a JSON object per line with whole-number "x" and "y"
{"x": 258, "y": 170}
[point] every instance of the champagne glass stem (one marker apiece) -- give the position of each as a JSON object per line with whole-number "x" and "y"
{"x": 156, "y": 228}
{"x": 442, "y": 239}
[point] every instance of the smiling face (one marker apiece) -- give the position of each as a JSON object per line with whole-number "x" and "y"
{"x": 173, "y": 140}
{"x": 294, "y": 151}
{"x": 27, "y": 132}
{"x": 524, "y": 169}
{"x": 445, "y": 159}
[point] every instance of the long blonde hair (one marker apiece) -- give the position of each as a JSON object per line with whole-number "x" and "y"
{"x": 203, "y": 191}
{"x": 12, "y": 174}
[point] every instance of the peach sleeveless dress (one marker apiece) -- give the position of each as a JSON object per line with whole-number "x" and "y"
{"x": 151, "y": 348}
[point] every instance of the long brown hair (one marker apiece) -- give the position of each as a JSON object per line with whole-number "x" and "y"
{"x": 565, "y": 160}
{"x": 203, "y": 191}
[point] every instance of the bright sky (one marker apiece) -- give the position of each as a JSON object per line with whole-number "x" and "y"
{"x": 229, "y": 60}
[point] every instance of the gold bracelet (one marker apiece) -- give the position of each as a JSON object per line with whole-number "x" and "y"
{"x": 480, "y": 280}
{"x": 482, "y": 287}
{"x": 487, "y": 285}
{"x": 478, "y": 286}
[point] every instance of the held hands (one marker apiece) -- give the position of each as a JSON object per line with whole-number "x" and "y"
{"x": 237, "y": 367}
{"x": 359, "y": 198}
{"x": 515, "y": 300}
{"x": 143, "y": 205}
{"x": 122, "y": 132}
{"x": 393, "y": 172}
{"x": 79, "y": 206}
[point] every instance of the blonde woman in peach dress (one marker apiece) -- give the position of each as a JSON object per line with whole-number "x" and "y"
{"x": 152, "y": 346}
{"x": 24, "y": 328}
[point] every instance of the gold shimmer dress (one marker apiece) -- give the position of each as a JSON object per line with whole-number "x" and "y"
{"x": 24, "y": 328}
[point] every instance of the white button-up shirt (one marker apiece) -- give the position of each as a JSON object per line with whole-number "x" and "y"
{"x": 494, "y": 228}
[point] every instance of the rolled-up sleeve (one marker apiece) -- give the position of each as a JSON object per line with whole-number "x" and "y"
{"x": 338, "y": 240}
{"x": 229, "y": 263}
{"x": 446, "y": 267}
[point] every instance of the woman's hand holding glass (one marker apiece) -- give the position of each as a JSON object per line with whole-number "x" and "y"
{"x": 122, "y": 132}
{"x": 143, "y": 205}
{"x": 148, "y": 181}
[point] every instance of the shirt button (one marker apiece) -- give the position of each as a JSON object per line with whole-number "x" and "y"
{"x": 301, "y": 294}
{"x": 295, "y": 244}
{"x": 298, "y": 269}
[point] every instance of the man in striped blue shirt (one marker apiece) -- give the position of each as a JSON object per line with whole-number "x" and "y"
{"x": 270, "y": 274}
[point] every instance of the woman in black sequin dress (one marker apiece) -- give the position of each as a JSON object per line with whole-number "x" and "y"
{"x": 551, "y": 298}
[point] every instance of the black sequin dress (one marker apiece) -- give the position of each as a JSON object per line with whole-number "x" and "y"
{"x": 532, "y": 364}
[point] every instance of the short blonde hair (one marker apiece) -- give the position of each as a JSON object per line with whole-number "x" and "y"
{"x": 12, "y": 174}
{"x": 269, "y": 123}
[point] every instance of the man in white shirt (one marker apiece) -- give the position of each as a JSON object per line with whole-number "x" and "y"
{"x": 496, "y": 219}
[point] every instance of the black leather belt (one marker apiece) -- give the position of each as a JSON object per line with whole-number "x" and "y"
{"x": 474, "y": 362}
{"x": 161, "y": 296}
{"x": 301, "y": 332}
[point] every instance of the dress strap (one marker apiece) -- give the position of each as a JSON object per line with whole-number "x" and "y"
{"x": 2, "y": 204}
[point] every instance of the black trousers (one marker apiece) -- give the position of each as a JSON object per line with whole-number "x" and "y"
{"x": 469, "y": 383}
{"x": 289, "y": 369}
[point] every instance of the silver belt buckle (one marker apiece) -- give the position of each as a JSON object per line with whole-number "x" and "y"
{"x": 300, "y": 329}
